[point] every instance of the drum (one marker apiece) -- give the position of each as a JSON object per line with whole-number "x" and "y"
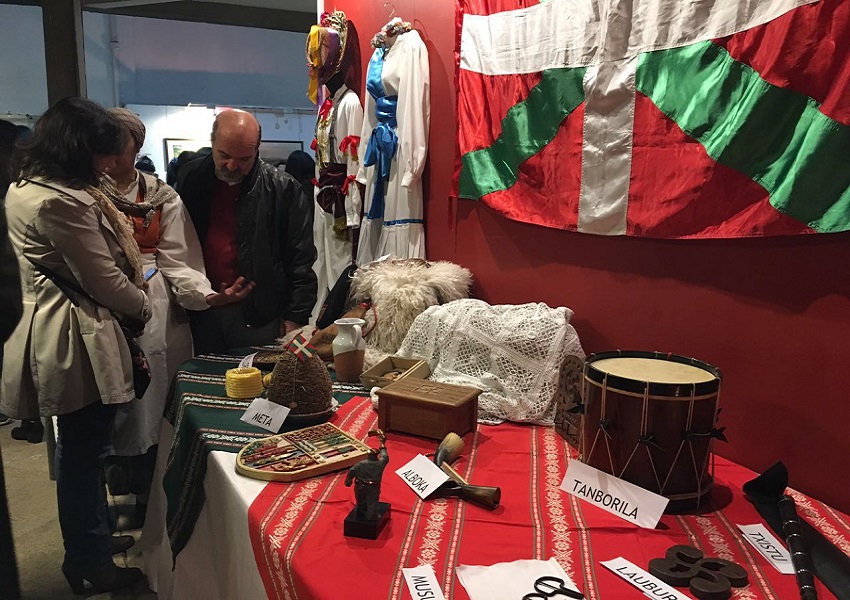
{"x": 649, "y": 418}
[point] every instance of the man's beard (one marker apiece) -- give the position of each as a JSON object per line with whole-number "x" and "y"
{"x": 229, "y": 177}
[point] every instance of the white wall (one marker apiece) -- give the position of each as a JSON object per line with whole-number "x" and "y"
{"x": 157, "y": 62}
{"x": 172, "y": 62}
{"x": 100, "y": 68}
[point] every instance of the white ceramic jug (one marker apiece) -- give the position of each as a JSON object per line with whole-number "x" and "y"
{"x": 349, "y": 349}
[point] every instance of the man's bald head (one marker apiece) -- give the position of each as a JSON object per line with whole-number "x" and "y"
{"x": 235, "y": 142}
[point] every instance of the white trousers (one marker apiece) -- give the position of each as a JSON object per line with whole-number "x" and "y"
{"x": 333, "y": 256}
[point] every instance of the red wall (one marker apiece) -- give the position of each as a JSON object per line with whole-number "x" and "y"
{"x": 773, "y": 314}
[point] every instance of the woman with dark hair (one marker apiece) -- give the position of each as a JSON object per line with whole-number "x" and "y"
{"x": 80, "y": 273}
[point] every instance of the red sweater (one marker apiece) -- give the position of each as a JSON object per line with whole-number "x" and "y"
{"x": 220, "y": 245}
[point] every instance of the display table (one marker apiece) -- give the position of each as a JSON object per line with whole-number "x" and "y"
{"x": 257, "y": 540}
{"x": 194, "y": 517}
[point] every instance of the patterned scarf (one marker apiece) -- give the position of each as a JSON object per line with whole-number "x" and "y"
{"x": 110, "y": 203}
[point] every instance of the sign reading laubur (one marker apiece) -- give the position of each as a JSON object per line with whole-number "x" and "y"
{"x": 649, "y": 585}
{"x": 621, "y": 498}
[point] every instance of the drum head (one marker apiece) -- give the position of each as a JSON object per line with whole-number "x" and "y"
{"x": 662, "y": 374}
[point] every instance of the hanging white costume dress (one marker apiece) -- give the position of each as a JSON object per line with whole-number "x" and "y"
{"x": 338, "y": 129}
{"x": 393, "y": 147}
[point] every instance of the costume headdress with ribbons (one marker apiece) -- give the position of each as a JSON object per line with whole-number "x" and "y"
{"x": 332, "y": 47}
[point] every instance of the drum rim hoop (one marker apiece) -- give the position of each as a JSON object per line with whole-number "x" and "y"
{"x": 671, "y": 397}
{"x": 625, "y": 384}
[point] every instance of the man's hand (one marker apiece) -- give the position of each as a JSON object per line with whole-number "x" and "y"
{"x": 230, "y": 294}
{"x": 287, "y": 327}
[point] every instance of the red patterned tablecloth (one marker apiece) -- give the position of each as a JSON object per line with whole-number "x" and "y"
{"x": 301, "y": 552}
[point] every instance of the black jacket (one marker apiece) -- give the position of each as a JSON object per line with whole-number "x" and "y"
{"x": 10, "y": 283}
{"x": 274, "y": 236}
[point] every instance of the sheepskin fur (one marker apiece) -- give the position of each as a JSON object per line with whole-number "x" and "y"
{"x": 399, "y": 290}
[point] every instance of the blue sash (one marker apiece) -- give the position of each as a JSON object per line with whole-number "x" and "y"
{"x": 383, "y": 142}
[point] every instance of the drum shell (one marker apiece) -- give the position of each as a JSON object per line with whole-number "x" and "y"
{"x": 658, "y": 441}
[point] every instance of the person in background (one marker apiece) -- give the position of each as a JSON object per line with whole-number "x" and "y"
{"x": 177, "y": 162}
{"x": 80, "y": 272}
{"x": 145, "y": 164}
{"x": 180, "y": 160}
{"x": 302, "y": 167}
{"x": 171, "y": 255}
{"x": 10, "y": 135}
{"x": 254, "y": 221}
{"x": 10, "y": 314}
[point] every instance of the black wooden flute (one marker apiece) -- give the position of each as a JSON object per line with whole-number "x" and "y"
{"x": 797, "y": 547}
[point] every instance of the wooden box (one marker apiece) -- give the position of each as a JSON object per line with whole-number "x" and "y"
{"x": 568, "y": 400}
{"x": 427, "y": 408}
{"x": 400, "y": 367}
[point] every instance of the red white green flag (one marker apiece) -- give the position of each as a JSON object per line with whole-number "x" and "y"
{"x": 659, "y": 118}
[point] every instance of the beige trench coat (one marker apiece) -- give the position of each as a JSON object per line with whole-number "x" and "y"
{"x": 62, "y": 357}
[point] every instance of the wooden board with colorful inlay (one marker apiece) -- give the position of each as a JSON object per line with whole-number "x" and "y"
{"x": 300, "y": 454}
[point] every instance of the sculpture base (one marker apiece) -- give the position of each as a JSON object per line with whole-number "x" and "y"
{"x": 370, "y": 530}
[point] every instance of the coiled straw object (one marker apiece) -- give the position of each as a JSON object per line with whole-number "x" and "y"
{"x": 243, "y": 382}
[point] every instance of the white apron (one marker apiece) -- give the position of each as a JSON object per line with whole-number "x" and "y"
{"x": 167, "y": 342}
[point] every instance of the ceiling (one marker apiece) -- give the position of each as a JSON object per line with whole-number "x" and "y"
{"x": 286, "y": 15}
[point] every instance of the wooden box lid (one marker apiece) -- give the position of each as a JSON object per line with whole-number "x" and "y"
{"x": 410, "y": 367}
{"x": 432, "y": 392}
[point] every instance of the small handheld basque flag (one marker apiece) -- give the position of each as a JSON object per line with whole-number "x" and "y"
{"x": 300, "y": 347}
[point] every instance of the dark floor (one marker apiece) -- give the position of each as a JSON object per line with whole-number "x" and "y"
{"x": 35, "y": 525}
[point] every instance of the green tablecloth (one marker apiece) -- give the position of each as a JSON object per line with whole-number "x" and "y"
{"x": 205, "y": 419}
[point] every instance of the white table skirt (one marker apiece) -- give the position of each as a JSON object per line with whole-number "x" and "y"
{"x": 218, "y": 562}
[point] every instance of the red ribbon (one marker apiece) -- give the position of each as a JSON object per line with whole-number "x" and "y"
{"x": 345, "y": 184}
{"x": 350, "y": 144}
{"x": 325, "y": 110}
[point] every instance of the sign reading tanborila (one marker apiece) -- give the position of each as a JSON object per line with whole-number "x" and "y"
{"x": 624, "y": 499}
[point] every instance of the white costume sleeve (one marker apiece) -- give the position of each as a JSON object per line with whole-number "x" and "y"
{"x": 370, "y": 121}
{"x": 349, "y": 123}
{"x": 179, "y": 256}
{"x": 414, "y": 108}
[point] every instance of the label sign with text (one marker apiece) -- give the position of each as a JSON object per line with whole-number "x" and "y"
{"x": 624, "y": 499}
{"x": 248, "y": 361}
{"x": 422, "y": 583}
{"x": 265, "y": 414}
{"x": 422, "y": 475}
{"x": 649, "y": 585}
{"x": 769, "y": 547}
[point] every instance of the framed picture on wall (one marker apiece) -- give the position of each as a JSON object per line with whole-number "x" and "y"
{"x": 276, "y": 152}
{"x": 172, "y": 147}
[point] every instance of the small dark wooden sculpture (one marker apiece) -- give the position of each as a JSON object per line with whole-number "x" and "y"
{"x": 368, "y": 518}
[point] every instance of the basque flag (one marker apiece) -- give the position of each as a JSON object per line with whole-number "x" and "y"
{"x": 658, "y": 118}
{"x": 300, "y": 347}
